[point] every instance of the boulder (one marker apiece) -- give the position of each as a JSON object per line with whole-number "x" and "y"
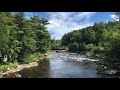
{"x": 17, "y": 75}
{"x": 105, "y": 67}
{"x": 110, "y": 72}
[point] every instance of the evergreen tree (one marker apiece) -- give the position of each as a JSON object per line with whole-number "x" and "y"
{"x": 20, "y": 37}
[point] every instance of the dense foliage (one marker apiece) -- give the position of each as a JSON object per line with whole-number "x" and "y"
{"x": 20, "y": 37}
{"x": 101, "y": 40}
{"x": 56, "y": 45}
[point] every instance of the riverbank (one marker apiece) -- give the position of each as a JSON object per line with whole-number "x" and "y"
{"x": 20, "y": 67}
{"x": 57, "y": 65}
{"x": 103, "y": 65}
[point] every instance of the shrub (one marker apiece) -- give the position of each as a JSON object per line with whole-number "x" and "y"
{"x": 89, "y": 47}
{"x": 73, "y": 47}
{"x": 33, "y": 57}
{"x": 8, "y": 65}
{"x": 81, "y": 47}
{"x": 89, "y": 50}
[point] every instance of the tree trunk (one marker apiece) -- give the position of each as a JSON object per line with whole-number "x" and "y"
{"x": 5, "y": 58}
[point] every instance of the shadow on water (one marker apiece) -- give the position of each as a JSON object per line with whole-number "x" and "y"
{"x": 40, "y": 71}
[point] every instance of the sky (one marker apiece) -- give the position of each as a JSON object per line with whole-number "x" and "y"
{"x": 64, "y": 22}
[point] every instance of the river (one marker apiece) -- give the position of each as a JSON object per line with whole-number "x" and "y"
{"x": 57, "y": 67}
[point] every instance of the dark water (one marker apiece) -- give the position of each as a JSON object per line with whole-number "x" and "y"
{"x": 56, "y": 67}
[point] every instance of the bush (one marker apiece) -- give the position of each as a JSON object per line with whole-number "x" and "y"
{"x": 33, "y": 57}
{"x": 81, "y": 47}
{"x": 8, "y": 65}
{"x": 13, "y": 65}
{"x": 99, "y": 49}
{"x": 114, "y": 51}
{"x": 89, "y": 47}
{"x": 74, "y": 47}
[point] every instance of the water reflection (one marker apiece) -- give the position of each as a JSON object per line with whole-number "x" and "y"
{"x": 40, "y": 71}
{"x": 63, "y": 69}
{"x": 56, "y": 67}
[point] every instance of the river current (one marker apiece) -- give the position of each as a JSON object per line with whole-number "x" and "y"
{"x": 59, "y": 66}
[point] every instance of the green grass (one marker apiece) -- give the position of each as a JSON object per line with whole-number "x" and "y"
{"x": 8, "y": 65}
{"x": 48, "y": 53}
{"x": 33, "y": 57}
{"x": 28, "y": 59}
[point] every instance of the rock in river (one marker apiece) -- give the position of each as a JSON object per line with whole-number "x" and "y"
{"x": 17, "y": 75}
{"x": 109, "y": 72}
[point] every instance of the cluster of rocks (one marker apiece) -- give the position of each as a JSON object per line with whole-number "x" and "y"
{"x": 76, "y": 57}
{"x": 108, "y": 72}
{"x": 19, "y": 68}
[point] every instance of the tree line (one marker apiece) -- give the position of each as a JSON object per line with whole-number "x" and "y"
{"x": 20, "y": 36}
{"x": 56, "y": 45}
{"x": 101, "y": 39}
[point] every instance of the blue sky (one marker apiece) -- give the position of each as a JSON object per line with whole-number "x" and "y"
{"x": 64, "y": 22}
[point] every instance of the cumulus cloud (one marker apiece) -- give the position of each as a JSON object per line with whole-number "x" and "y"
{"x": 114, "y": 17}
{"x": 64, "y": 22}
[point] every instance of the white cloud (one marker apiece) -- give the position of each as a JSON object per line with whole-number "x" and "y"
{"x": 114, "y": 17}
{"x": 64, "y": 22}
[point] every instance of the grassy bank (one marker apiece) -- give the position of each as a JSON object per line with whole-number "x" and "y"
{"x": 33, "y": 57}
{"x": 28, "y": 59}
{"x": 8, "y": 66}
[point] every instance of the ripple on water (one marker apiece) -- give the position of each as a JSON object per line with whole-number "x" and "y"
{"x": 59, "y": 66}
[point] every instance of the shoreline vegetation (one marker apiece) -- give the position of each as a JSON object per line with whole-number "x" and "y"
{"x": 103, "y": 65}
{"x": 22, "y": 40}
{"x": 8, "y": 68}
{"x": 102, "y": 40}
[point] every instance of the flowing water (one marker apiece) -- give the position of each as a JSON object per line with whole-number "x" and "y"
{"x": 57, "y": 67}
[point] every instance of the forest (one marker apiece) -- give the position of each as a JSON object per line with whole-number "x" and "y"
{"x": 56, "y": 45}
{"x": 100, "y": 40}
{"x": 22, "y": 39}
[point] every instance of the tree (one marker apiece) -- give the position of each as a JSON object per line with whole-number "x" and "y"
{"x": 73, "y": 47}
{"x": 20, "y": 21}
{"x": 20, "y": 37}
{"x": 100, "y": 39}
{"x": 7, "y": 27}
{"x": 118, "y": 15}
{"x": 56, "y": 45}
{"x": 41, "y": 33}
{"x": 114, "y": 51}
